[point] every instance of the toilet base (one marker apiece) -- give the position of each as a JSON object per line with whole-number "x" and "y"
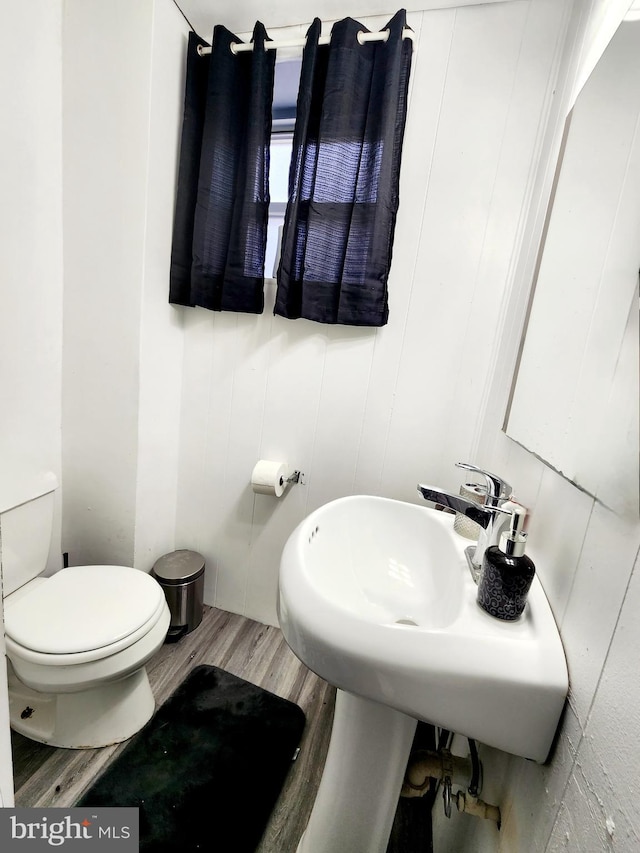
{"x": 100, "y": 716}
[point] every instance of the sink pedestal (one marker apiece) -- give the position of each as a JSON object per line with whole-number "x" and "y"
{"x": 362, "y": 777}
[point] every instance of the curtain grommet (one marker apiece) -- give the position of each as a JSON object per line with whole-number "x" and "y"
{"x": 363, "y": 36}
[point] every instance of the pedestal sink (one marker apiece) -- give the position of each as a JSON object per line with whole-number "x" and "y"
{"x": 376, "y": 598}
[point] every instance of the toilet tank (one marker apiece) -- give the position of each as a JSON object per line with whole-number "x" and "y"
{"x": 26, "y": 525}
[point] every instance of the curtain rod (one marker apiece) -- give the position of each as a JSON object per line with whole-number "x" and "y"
{"x": 363, "y": 38}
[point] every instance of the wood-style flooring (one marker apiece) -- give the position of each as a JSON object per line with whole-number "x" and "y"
{"x": 48, "y": 776}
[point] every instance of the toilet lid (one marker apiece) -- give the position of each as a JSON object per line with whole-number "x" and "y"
{"x": 83, "y": 608}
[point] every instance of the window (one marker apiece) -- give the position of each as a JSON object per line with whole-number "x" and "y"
{"x": 285, "y": 95}
{"x": 281, "y": 145}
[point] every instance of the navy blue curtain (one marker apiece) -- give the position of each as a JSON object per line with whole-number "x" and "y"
{"x": 222, "y": 203}
{"x": 195, "y": 95}
{"x": 343, "y": 183}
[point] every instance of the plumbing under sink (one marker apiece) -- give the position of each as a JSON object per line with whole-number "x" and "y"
{"x": 376, "y": 598}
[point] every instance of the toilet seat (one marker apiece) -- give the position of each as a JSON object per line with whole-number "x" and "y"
{"x": 83, "y": 614}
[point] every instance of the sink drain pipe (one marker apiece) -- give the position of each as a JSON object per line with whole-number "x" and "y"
{"x": 444, "y": 767}
{"x": 476, "y": 807}
{"x": 425, "y": 765}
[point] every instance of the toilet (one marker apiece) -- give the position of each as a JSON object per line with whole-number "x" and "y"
{"x": 77, "y": 642}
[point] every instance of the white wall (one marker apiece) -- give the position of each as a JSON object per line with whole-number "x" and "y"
{"x": 356, "y": 410}
{"x": 31, "y": 250}
{"x": 240, "y": 17}
{"x": 122, "y": 340}
{"x": 376, "y": 411}
{"x": 122, "y": 346}
{"x": 587, "y": 558}
{"x": 104, "y": 221}
{"x": 161, "y": 334}
{"x": 360, "y": 410}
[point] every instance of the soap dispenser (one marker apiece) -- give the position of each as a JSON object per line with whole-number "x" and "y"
{"x": 507, "y": 572}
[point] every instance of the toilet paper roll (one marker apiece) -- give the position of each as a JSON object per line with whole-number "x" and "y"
{"x": 463, "y": 525}
{"x": 269, "y": 478}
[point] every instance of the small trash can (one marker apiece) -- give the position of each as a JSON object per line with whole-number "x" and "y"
{"x": 181, "y": 575}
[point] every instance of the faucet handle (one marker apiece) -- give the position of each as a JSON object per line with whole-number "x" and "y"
{"x": 497, "y": 488}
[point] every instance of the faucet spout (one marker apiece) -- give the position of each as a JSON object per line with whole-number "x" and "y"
{"x": 476, "y": 512}
{"x": 491, "y": 517}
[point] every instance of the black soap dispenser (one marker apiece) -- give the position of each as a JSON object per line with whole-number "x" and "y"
{"x": 507, "y": 572}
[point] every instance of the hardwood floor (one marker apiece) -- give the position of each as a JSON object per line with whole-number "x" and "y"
{"x": 47, "y": 776}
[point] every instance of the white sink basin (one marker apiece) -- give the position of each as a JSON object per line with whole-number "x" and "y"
{"x": 376, "y": 597}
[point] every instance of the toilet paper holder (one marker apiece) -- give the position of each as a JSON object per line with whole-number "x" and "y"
{"x": 270, "y": 477}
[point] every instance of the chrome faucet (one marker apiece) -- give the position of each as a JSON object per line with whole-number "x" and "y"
{"x": 489, "y": 515}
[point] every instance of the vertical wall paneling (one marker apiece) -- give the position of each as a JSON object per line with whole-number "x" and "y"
{"x": 161, "y": 333}
{"x": 556, "y": 532}
{"x": 374, "y": 410}
{"x": 346, "y": 379}
{"x": 611, "y": 742}
{"x": 428, "y": 79}
{"x": 148, "y": 388}
{"x": 288, "y": 433}
{"x": 563, "y": 39}
{"x": 240, "y": 17}
{"x": 104, "y": 220}
{"x": 356, "y": 410}
{"x": 31, "y": 247}
{"x": 443, "y": 347}
{"x": 602, "y": 575}
{"x": 232, "y": 458}
{"x": 122, "y": 341}
{"x": 193, "y": 523}
{"x": 585, "y": 555}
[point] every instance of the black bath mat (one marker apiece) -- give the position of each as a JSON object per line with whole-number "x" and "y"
{"x": 207, "y": 770}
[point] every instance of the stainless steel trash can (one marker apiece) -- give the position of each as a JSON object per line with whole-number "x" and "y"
{"x": 181, "y": 575}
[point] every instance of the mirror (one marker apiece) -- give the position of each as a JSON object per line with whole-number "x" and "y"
{"x": 574, "y": 400}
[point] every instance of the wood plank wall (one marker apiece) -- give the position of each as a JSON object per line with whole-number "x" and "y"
{"x": 374, "y": 411}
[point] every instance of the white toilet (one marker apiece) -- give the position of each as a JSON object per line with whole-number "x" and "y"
{"x": 78, "y": 641}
